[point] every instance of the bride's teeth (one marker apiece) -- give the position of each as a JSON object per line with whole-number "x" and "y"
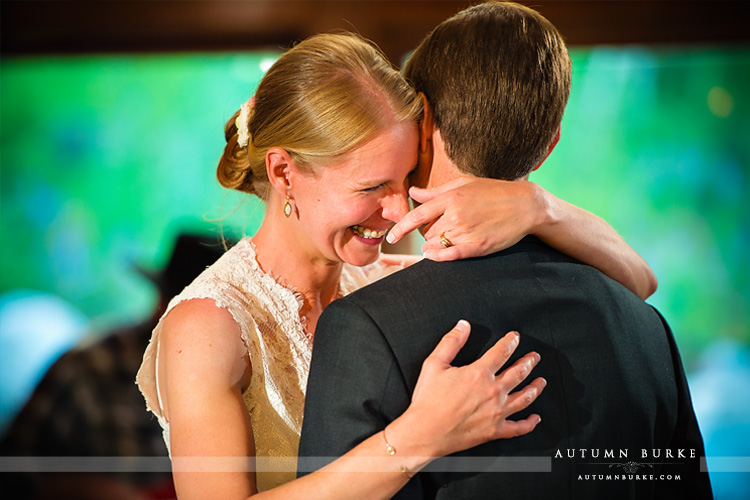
{"x": 367, "y": 233}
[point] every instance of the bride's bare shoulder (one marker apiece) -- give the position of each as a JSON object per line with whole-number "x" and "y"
{"x": 204, "y": 361}
{"x": 201, "y": 329}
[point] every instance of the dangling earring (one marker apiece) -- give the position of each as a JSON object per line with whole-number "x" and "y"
{"x": 287, "y": 208}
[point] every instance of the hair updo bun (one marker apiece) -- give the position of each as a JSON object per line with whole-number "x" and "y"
{"x": 235, "y": 170}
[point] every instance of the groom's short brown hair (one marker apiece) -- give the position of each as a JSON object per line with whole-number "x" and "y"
{"x": 497, "y": 76}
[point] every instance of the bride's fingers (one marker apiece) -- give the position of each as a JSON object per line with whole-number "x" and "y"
{"x": 437, "y": 228}
{"x": 433, "y": 242}
{"x": 432, "y": 207}
{"x": 450, "y": 344}
{"x": 416, "y": 218}
{"x": 443, "y": 254}
{"x": 458, "y": 244}
{"x": 521, "y": 399}
{"x": 515, "y": 428}
{"x": 439, "y": 253}
{"x": 423, "y": 195}
{"x": 497, "y": 355}
{"x": 511, "y": 377}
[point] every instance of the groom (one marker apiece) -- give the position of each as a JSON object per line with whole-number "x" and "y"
{"x": 618, "y": 421}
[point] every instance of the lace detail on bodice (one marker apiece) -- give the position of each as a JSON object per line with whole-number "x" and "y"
{"x": 279, "y": 350}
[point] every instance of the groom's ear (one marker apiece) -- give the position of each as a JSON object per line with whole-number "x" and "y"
{"x": 426, "y": 125}
{"x": 551, "y": 146}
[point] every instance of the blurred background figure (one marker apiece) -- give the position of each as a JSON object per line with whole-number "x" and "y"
{"x": 37, "y": 327}
{"x": 87, "y": 404}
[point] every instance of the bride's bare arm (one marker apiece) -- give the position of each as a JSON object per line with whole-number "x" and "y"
{"x": 482, "y": 216}
{"x": 590, "y": 239}
{"x": 205, "y": 369}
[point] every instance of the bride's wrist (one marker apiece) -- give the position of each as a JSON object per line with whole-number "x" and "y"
{"x": 412, "y": 448}
{"x": 546, "y": 212}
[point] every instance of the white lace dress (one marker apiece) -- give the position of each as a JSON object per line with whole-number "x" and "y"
{"x": 268, "y": 316}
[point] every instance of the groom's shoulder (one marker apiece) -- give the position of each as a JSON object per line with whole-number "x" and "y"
{"x": 427, "y": 275}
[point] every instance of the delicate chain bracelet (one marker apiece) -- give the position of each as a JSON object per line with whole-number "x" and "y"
{"x": 392, "y": 451}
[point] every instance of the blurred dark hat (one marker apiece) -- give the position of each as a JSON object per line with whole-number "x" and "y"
{"x": 191, "y": 255}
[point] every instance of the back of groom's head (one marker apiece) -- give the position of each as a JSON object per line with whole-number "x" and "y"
{"x": 497, "y": 76}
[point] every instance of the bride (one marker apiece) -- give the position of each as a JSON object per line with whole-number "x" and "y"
{"x": 329, "y": 142}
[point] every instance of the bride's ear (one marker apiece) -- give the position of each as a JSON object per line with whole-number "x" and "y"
{"x": 281, "y": 170}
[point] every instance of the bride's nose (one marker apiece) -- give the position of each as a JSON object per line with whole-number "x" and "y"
{"x": 395, "y": 205}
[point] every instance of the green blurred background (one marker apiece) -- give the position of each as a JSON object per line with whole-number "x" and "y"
{"x": 103, "y": 159}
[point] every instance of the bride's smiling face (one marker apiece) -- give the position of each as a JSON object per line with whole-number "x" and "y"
{"x": 345, "y": 208}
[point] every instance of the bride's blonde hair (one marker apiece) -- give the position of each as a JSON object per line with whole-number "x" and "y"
{"x": 323, "y": 98}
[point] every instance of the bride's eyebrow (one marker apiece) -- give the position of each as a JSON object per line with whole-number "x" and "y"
{"x": 376, "y": 181}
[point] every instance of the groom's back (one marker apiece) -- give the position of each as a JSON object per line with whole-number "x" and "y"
{"x": 615, "y": 383}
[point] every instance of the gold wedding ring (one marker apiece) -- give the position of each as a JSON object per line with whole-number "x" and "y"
{"x": 445, "y": 241}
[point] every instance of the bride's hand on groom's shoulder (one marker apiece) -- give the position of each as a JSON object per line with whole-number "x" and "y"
{"x": 461, "y": 407}
{"x": 472, "y": 217}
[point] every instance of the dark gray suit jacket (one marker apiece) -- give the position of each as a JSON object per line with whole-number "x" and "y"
{"x": 616, "y": 385}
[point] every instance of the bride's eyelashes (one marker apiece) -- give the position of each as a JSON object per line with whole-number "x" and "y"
{"x": 373, "y": 188}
